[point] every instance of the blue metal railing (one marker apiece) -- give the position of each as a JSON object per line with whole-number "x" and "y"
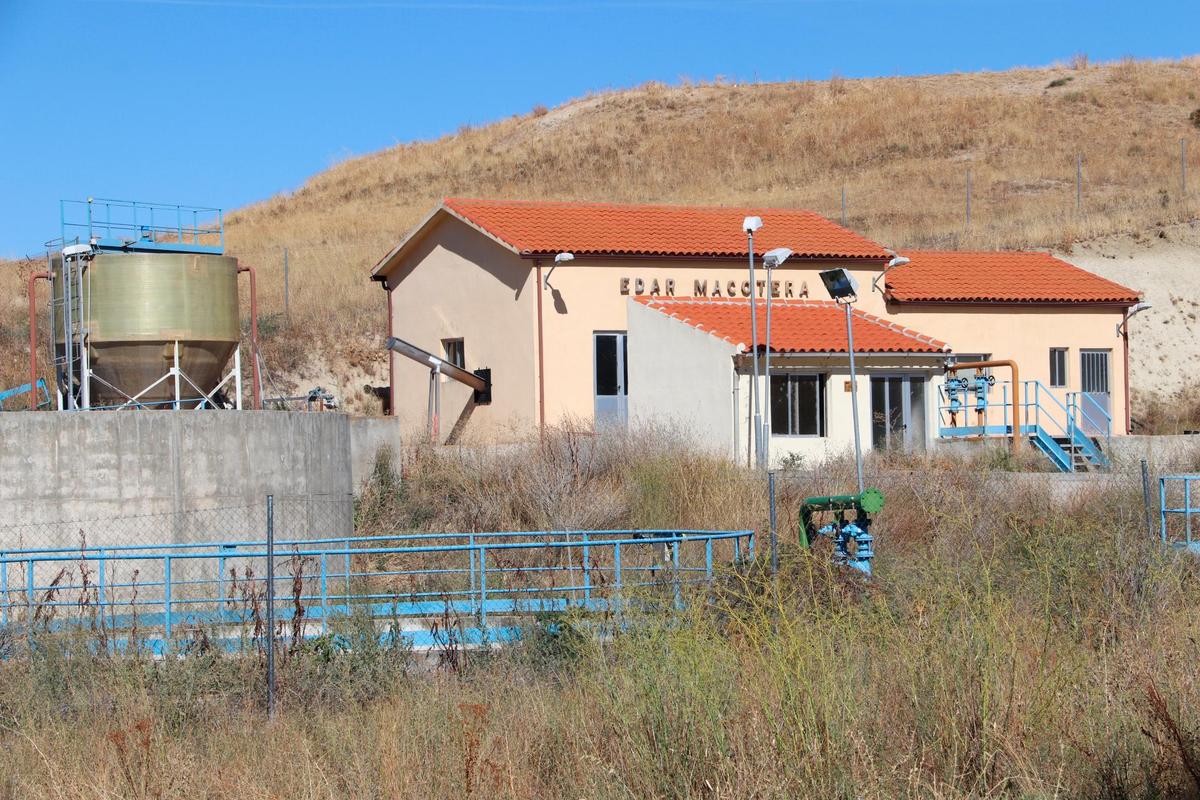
{"x": 130, "y": 225}
{"x": 1175, "y": 521}
{"x": 1043, "y": 418}
{"x": 39, "y": 390}
{"x": 148, "y": 597}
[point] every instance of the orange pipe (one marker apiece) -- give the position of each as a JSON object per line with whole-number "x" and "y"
{"x": 33, "y": 370}
{"x": 1016, "y": 382}
{"x": 257, "y": 383}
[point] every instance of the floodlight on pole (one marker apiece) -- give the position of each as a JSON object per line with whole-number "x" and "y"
{"x": 843, "y": 288}
{"x": 750, "y": 225}
{"x": 1123, "y": 325}
{"x": 896, "y": 261}
{"x": 561, "y": 258}
{"x": 772, "y": 259}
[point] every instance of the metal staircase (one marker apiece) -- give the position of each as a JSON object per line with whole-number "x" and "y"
{"x": 1073, "y": 434}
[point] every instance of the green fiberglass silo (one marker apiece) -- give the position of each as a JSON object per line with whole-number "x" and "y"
{"x": 146, "y": 314}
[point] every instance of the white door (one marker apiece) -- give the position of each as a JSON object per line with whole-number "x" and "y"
{"x": 1097, "y": 397}
{"x": 898, "y": 412}
{"x": 611, "y": 378}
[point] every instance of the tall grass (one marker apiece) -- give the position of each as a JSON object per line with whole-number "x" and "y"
{"x": 1014, "y": 642}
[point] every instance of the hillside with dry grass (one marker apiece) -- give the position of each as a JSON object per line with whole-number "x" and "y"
{"x": 904, "y": 150}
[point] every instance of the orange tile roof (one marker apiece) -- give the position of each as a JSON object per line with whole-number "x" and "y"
{"x": 797, "y": 326}
{"x": 1014, "y": 276}
{"x": 535, "y": 228}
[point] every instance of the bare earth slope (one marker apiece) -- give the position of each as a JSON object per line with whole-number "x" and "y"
{"x": 904, "y": 150}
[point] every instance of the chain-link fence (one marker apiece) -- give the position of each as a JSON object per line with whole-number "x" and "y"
{"x": 218, "y": 520}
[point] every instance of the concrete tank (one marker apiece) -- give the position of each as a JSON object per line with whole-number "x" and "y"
{"x": 138, "y": 305}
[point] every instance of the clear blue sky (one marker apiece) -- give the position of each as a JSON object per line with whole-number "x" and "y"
{"x": 223, "y": 102}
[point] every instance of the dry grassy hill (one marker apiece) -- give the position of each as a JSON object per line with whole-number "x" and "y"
{"x": 904, "y": 149}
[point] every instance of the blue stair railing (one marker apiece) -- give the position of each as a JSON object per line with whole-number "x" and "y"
{"x": 40, "y": 391}
{"x": 1059, "y": 430}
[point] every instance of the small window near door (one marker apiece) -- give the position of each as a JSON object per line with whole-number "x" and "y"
{"x": 455, "y": 353}
{"x": 1058, "y": 367}
{"x": 798, "y": 405}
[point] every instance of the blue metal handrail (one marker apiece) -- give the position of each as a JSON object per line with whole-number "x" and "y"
{"x": 1182, "y": 539}
{"x": 156, "y": 589}
{"x": 39, "y": 389}
{"x": 1042, "y": 416}
{"x": 131, "y": 225}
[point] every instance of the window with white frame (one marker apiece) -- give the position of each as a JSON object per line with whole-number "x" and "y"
{"x": 455, "y": 353}
{"x": 798, "y": 405}
{"x": 1058, "y": 367}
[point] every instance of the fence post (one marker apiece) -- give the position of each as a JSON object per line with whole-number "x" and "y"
{"x": 483, "y": 587}
{"x": 587, "y": 572}
{"x": 1146, "y": 496}
{"x": 617, "y": 565}
{"x": 968, "y": 198}
{"x": 1182, "y": 169}
{"x": 1078, "y": 183}
{"x": 325, "y": 595}
{"x": 675, "y": 570}
{"x": 270, "y": 607}
{"x": 1162, "y": 508}
{"x": 771, "y": 530}
{"x": 1187, "y": 511}
{"x": 166, "y": 603}
{"x": 30, "y": 598}
{"x": 287, "y": 315}
{"x": 100, "y": 586}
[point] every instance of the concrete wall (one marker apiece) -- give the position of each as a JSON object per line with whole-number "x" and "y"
{"x": 680, "y": 378}
{"x": 143, "y": 477}
{"x": 369, "y": 436}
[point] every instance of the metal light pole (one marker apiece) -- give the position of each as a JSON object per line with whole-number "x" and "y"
{"x": 750, "y": 225}
{"x": 843, "y": 288}
{"x": 854, "y": 395}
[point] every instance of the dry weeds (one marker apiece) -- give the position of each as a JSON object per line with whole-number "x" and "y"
{"x": 1014, "y": 642}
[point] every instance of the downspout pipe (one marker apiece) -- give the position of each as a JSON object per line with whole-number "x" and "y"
{"x": 1016, "y": 382}
{"x": 391, "y": 359}
{"x": 33, "y": 370}
{"x": 254, "y": 335}
{"x": 541, "y": 348}
{"x": 1128, "y": 410}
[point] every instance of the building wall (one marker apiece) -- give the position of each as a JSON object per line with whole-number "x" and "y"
{"x": 1025, "y": 335}
{"x": 839, "y": 419}
{"x": 457, "y": 283}
{"x": 592, "y": 295}
{"x": 684, "y": 379}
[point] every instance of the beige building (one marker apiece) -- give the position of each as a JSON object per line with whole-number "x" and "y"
{"x": 583, "y": 342}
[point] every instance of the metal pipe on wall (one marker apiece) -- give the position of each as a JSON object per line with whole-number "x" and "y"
{"x": 1016, "y": 381}
{"x": 33, "y": 372}
{"x": 257, "y": 386}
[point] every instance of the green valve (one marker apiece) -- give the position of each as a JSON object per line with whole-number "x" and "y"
{"x": 851, "y": 536}
{"x": 871, "y": 501}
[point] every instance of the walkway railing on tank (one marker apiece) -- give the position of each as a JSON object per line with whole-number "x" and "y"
{"x": 154, "y": 598}
{"x": 131, "y": 225}
{"x": 1178, "y": 503}
{"x": 968, "y": 409}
